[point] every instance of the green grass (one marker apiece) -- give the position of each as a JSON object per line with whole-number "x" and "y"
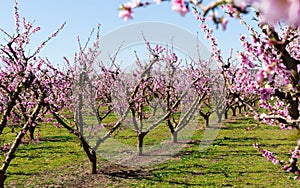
{"x": 56, "y": 148}
{"x": 230, "y": 161}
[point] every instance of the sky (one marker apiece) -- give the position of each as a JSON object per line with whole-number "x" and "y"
{"x": 81, "y": 16}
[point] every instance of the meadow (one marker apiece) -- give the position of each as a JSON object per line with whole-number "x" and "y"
{"x": 230, "y": 161}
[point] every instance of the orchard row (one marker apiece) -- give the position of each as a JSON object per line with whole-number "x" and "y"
{"x": 163, "y": 90}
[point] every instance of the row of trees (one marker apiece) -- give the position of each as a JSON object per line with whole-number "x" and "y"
{"x": 34, "y": 91}
{"x": 271, "y": 49}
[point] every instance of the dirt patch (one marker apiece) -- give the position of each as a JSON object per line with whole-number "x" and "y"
{"x": 74, "y": 176}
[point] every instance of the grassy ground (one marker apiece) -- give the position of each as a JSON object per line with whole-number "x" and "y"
{"x": 230, "y": 161}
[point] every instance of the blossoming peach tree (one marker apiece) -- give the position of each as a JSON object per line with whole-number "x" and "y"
{"x": 270, "y": 52}
{"x": 26, "y": 88}
{"x": 163, "y": 93}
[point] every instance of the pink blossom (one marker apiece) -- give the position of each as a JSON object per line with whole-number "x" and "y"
{"x": 269, "y": 155}
{"x": 36, "y": 29}
{"x": 266, "y": 93}
{"x": 157, "y": 1}
{"x": 255, "y": 145}
{"x": 57, "y": 125}
{"x": 126, "y": 11}
{"x": 224, "y": 23}
{"x": 5, "y": 147}
{"x": 294, "y": 12}
{"x": 260, "y": 76}
{"x": 136, "y": 3}
{"x": 286, "y": 167}
{"x": 275, "y": 10}
{"x": 240, "y": 3}
{"x": 282, "y": 126}
{"x": 243, "y": 38}
{"x": 180, "y": 6}
{"x": 275, "y": 161}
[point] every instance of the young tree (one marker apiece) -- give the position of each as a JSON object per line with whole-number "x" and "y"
{"x": 87, "y": 94}
{"x": 24, "y": 85}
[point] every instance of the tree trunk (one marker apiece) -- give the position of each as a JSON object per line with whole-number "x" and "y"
{"x": 91, "y": 153}
{"x": 2, "y": 178}
{"x": 219, "y": 114}
{"x": 233, "y": 109}
{"x": 219, "y": 118}
{"x": 175, "y": 136}
{"x": 31, "y": 132}
{"x": 240, "y": 109}
{"x": 11, "y": 153}
{"x": 206, "y": 118}
{"x": 141, "y": 137}
{"x": 93, "y": 160}
{"x": 226, "y": 114}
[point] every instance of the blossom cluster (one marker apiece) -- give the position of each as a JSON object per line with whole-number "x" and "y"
{"x": 126, "y": 9}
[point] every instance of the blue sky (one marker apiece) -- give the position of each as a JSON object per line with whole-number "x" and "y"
{"x": 83, "y": 15}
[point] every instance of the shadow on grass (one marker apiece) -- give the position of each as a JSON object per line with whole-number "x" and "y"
{"x": 188, "y": 171}
{"x": 158, "y": 174}
{"x": 57, "y": 139}
{"x": 46, "y": 148}
{"x": 21, "y": 173}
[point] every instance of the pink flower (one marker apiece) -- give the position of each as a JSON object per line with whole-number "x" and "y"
{"x": 224, "y": 23}
{"x": 57, "y": 125}
{"x": 243, "y": 38}
{"x": 282, "y": 126}
{"x": 240, "y": 3}
{"x": 275, "y": 161}
{"x": 255, "y": 145}
{"x": 180, "y": 6}
{"x": 285, "y": 167}
{"x": 36, "y": 29}
{"x": 126, "y": 11}
{"x": 294, "y": 12}
{"x": 5, "y": 147}
{"x": 275, "y": 10}
{"x": 266, "y": 93}
{"x": 135, "y": 3}
{"x": 260, "y": 76}
{"x": 157, "y": 1}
